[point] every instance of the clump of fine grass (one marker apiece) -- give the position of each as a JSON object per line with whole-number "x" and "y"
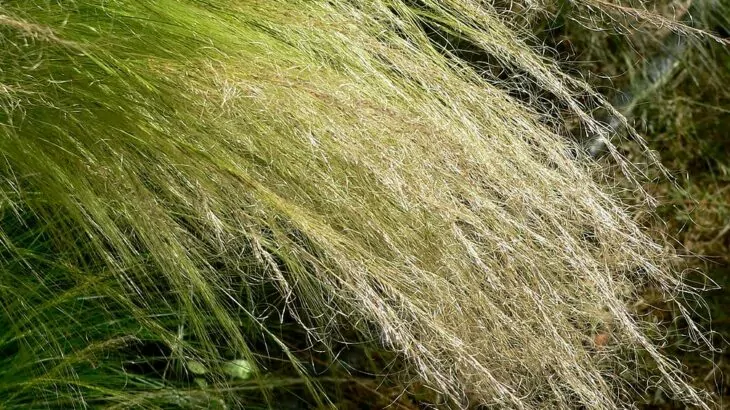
{"x": 672, "y": 87}
{"x": 183, "y": 171}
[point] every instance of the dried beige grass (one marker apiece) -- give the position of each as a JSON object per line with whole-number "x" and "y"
{"x": 328, "y": 148}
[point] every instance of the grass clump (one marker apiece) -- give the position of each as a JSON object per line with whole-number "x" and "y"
{"x": 672, "y": 88}
{"x": 192, "y": 185}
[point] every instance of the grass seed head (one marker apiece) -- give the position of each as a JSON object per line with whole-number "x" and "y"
{"x": 337, "y": 166}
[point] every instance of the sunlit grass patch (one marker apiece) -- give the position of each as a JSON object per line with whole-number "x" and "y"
{"x": 190, "y": 185}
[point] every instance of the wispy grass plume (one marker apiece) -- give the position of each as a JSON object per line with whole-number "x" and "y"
{"x": 176, "y": 173}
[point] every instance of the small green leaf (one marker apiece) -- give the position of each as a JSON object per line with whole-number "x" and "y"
{"x": 196, "y": 367}
{"x": 200, "y": 382}
{"x": 239, "y": 369}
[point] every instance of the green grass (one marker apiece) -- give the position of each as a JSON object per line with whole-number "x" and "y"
{"x": 188, "y": 183}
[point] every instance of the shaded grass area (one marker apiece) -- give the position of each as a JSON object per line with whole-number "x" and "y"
{"x": 684, "y": 113}
{"x": 691, "y": 130}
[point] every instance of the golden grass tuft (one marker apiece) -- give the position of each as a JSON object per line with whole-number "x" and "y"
{"x": 172, "y": 158}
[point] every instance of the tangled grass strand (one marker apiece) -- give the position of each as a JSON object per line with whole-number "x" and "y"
{"x": 165, "y": 162}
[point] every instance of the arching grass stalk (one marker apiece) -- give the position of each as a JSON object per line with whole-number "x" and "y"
{"x": 175, "y": 174}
